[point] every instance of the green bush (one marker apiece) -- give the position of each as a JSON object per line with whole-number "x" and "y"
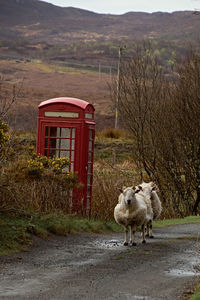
{"x": 33, "y": 182}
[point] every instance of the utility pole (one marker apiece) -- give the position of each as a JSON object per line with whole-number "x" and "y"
{"x": 118, "y": 86}
{"x": 99, "y": 71}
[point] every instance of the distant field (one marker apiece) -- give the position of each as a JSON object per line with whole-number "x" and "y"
{"x": 43, "y": 81}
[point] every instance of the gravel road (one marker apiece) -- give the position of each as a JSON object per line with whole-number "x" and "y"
{"x": 99, "y": 267}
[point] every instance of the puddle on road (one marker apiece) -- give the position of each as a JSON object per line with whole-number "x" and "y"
{"x": 184, "y": 266}
{"x": 111, "y": 244}
{"x": 182, "y": 273}
{"x": 188, "y": 265}
{"x": 128, "y": 296}
{"x": 90, "y": 261}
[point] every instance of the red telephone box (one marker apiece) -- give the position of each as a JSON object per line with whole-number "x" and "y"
{"x": 66, "y": 128}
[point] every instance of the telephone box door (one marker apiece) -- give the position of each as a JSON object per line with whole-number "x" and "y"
{"x": 61, "y": 141}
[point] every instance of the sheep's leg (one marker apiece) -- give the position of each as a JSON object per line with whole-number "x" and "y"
{"x": 143, "y": 234}
{"x": 126, "y": 237}
{"x": 150, "y": 230}
{"x": 132, "y": 234}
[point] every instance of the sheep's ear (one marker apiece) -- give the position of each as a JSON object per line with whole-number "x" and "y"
{"x": 154, "y": 187}
{"x": 121, "y": 190}
{"x": 137, "y": 189}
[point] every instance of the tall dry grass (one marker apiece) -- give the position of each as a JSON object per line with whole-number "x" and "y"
{"x": 108, "y": 178}
{"x": 106, "y": 183}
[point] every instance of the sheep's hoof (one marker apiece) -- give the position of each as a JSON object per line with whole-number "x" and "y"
{"x": 125, "y": 244}
{"x": 143, "y": 242}
{"x": 133, "y": 244}
{"x": 151, "y": 237}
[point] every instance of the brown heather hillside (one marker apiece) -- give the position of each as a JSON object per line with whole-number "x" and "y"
{"x": 35, "y": 20}
{"x": 53, "y": 50}
{"x": 44, "y": 81}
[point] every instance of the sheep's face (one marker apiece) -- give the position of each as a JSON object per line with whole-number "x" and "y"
{"x": 148, "y": 188}
{"x": 129, "y": 195}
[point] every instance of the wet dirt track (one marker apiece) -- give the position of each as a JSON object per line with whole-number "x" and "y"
{"x": 94, "y": 266}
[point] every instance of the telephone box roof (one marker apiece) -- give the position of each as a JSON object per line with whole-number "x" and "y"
{"x": 65, "y": 100}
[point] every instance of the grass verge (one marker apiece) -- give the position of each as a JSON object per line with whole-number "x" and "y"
{"x": 17, "y": 230}
{"x": 170, "y": 222}
{"x": 196, "y": 295}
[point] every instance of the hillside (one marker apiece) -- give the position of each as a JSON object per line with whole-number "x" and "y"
{"x": 40, "y": 42}
{"x": 35, "y": 20}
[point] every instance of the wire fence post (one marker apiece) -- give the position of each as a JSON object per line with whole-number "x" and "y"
{"x": 118, "y": 87}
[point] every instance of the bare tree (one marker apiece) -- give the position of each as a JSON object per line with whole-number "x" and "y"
{"x": 163, "y": 116}
{"x": 8, "y": 96}
{"x": 187, "y": 105}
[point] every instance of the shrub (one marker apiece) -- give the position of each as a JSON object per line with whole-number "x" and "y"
{"x": 4, "y": 137}
{"x": 33, "y": 182}
{"x": 112, "y": 133}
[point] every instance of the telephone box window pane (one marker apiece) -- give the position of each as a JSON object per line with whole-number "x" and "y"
{"x": 88, "y": 181}
{"x": 58, "y": 143}
{"x": 59, "y": 114}
{"x": 88, "y": 202}
{"x": 88, "y": 116}
{"x": 65, "y": 132}
{"x": 88, "y": 191}
{"x": 90, "y": 146}
{"x": 46, "y": 152}
{"x": 53, "y": 143}
{"x": 91, "y": 134}
{"x": 46, "y": 143}
{"x": 46, "y": 131}
{"x": 73, "y": 133}
{"x": 72, "y": 155}
{"x": 64, "y": 154}
{"x": 90, "y": 157}
{"x": 73, "y": 143}
{"x": 53, "y": 131}
{"x": 52, "y": 153}
{"x": 64, "y": 144}
{"x": 57, "y": 153}
{"x": 58, "y": 131}
{"x": 89, "y": 168}
{"x": 72, "y": 167}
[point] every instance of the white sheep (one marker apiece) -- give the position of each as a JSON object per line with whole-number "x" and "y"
{"x": 149, "y": 189}
{"x": 132, "y": 211}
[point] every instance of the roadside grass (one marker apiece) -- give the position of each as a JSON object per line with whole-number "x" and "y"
{"x": 170, "y": 222}
{"x": 17, "y": 230}
{"x": 196, "y": 295}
